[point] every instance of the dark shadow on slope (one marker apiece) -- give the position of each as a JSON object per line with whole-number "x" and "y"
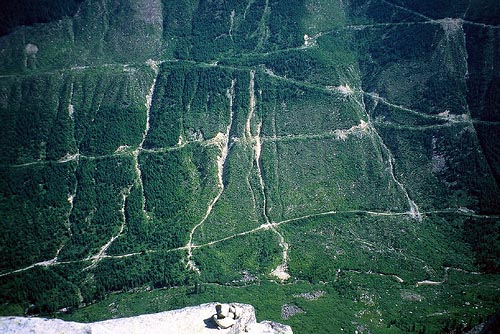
{"x": 29, "y": 12}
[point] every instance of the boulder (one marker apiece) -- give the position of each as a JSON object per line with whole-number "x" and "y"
{"x": 238, "y": 319}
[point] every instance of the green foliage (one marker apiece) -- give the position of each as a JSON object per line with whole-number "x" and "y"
{"x": 482, "y": 84}
{"x": 448, "y": 160}
{"x": 29, "y": 115}
{"x": 189, "y": 102}
{"x": 156, "y": 270}
{"x": 284, "y": 26}
{"x": 96, "y": 214}
{"x": 177, "y": 186}
{"x": 334, "y": 139}
{"x": 254, "y": 253}
{"x": 113, "y": 128}
{"x": 325, "y": 177}
{"x": 45, "y": 290}
{"x": 109, "y": 109}
{"x": 352, "y": 296}
{"x": 34, "y": 212}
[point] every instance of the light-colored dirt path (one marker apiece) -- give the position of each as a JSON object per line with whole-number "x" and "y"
{"x": 222, "y": 140}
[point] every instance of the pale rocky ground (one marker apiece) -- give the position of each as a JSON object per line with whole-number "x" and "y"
{"x": 189, "y": 320}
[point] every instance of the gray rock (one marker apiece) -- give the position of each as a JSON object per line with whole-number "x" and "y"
{"x": 288, "y": 311}
{"x": 189, "y": 320}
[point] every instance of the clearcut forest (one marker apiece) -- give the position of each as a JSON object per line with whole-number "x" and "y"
{"x": 336, "y": 158}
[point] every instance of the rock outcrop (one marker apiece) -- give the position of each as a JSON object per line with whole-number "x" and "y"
{"x": 189, "y": 320}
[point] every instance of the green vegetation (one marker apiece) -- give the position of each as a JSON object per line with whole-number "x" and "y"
{"x": 351, "y": 301}
{"x": 96, "y": 210}
{"x": 189, "y": 102}
{"x": 143, "y": 141}
{"x": 34, "y": 212}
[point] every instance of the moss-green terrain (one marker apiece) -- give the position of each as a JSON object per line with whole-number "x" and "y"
{"x": 339, "y": 156}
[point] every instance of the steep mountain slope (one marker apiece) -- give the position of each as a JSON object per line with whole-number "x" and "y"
{"x": 346, "y": 147}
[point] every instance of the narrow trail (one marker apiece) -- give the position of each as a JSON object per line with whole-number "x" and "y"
{"x": 467, "y": 10}
{"x": 70, "y": 157}
{"x": 135, "y": 153}
{"x": 378, "y": 98}
{"x": 414, "y": 211}
{"x": 231, "y": 24}
{"x": 263, "y": 30}
{"x": 46, "y": 263}
{"x": 247, "y": 8}
{"x": 462, "y": 212}
{"x": 249, "y": 140}
{"x": 431, "y": 20}
{"x": 338, "y": 134}
{"x": 369, "y": 272}
{"x": 329, "y": 213}
{"x": 445, "y": 277}
{"x": 413, "y": 208}
{"x": 458, "y": 211}
{"x": 95, "y": 259}
{"x": 71, "y": 201}
{"x": 223, "y": 143}
{"x": 449, "y": 118}
{"x": 280, "y": 271}
{"x": 75, "y": 68}
{"x": 483, "y": 25}
{"x": 408, "y": 10}
{"x": 71, "y": 107}
{"x": 327, "y": 89}
{"x": 120, "y": 152}
{"x": 127, "y": 66}
{"x": 379, "y": 25}
{"x": 413, "y": 128}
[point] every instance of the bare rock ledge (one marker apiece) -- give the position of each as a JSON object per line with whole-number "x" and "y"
{"x": 189, "y": 320}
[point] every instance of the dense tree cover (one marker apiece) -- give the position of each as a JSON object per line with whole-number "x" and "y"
{"x": 484, "y": 11}
{"x": 34, "y": 212}
{"x": 103, "y": 32}
{"x": 96, "y": 215}
{"x": 109, "y": 110}
{"x": 483, "y": 90}
{"x": 488, "y": 136}
{"x": 284, "y": 24}
{"x": 156, "y": 270}
{"x": 368, "y": 12}
{"x": 486, "y": 245}
{"x": 210, "y": 29}
{"x": 40, "y": 290}
{"x": 49, "y": 116}
{"x": 227, "y": 262}
{"x": 84, "y": 91}
{"x": 456, "y": 174}
{"x": 177, "y": 188}
{"x": 29, "y": 115}
{"x": 190, "y": 102}
{"x": 137, "y": 230}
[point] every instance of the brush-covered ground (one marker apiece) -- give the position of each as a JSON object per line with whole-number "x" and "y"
{"x": 334, "y": 163}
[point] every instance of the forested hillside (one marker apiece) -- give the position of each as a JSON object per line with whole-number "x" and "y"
{"x": 334, "y": 163}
